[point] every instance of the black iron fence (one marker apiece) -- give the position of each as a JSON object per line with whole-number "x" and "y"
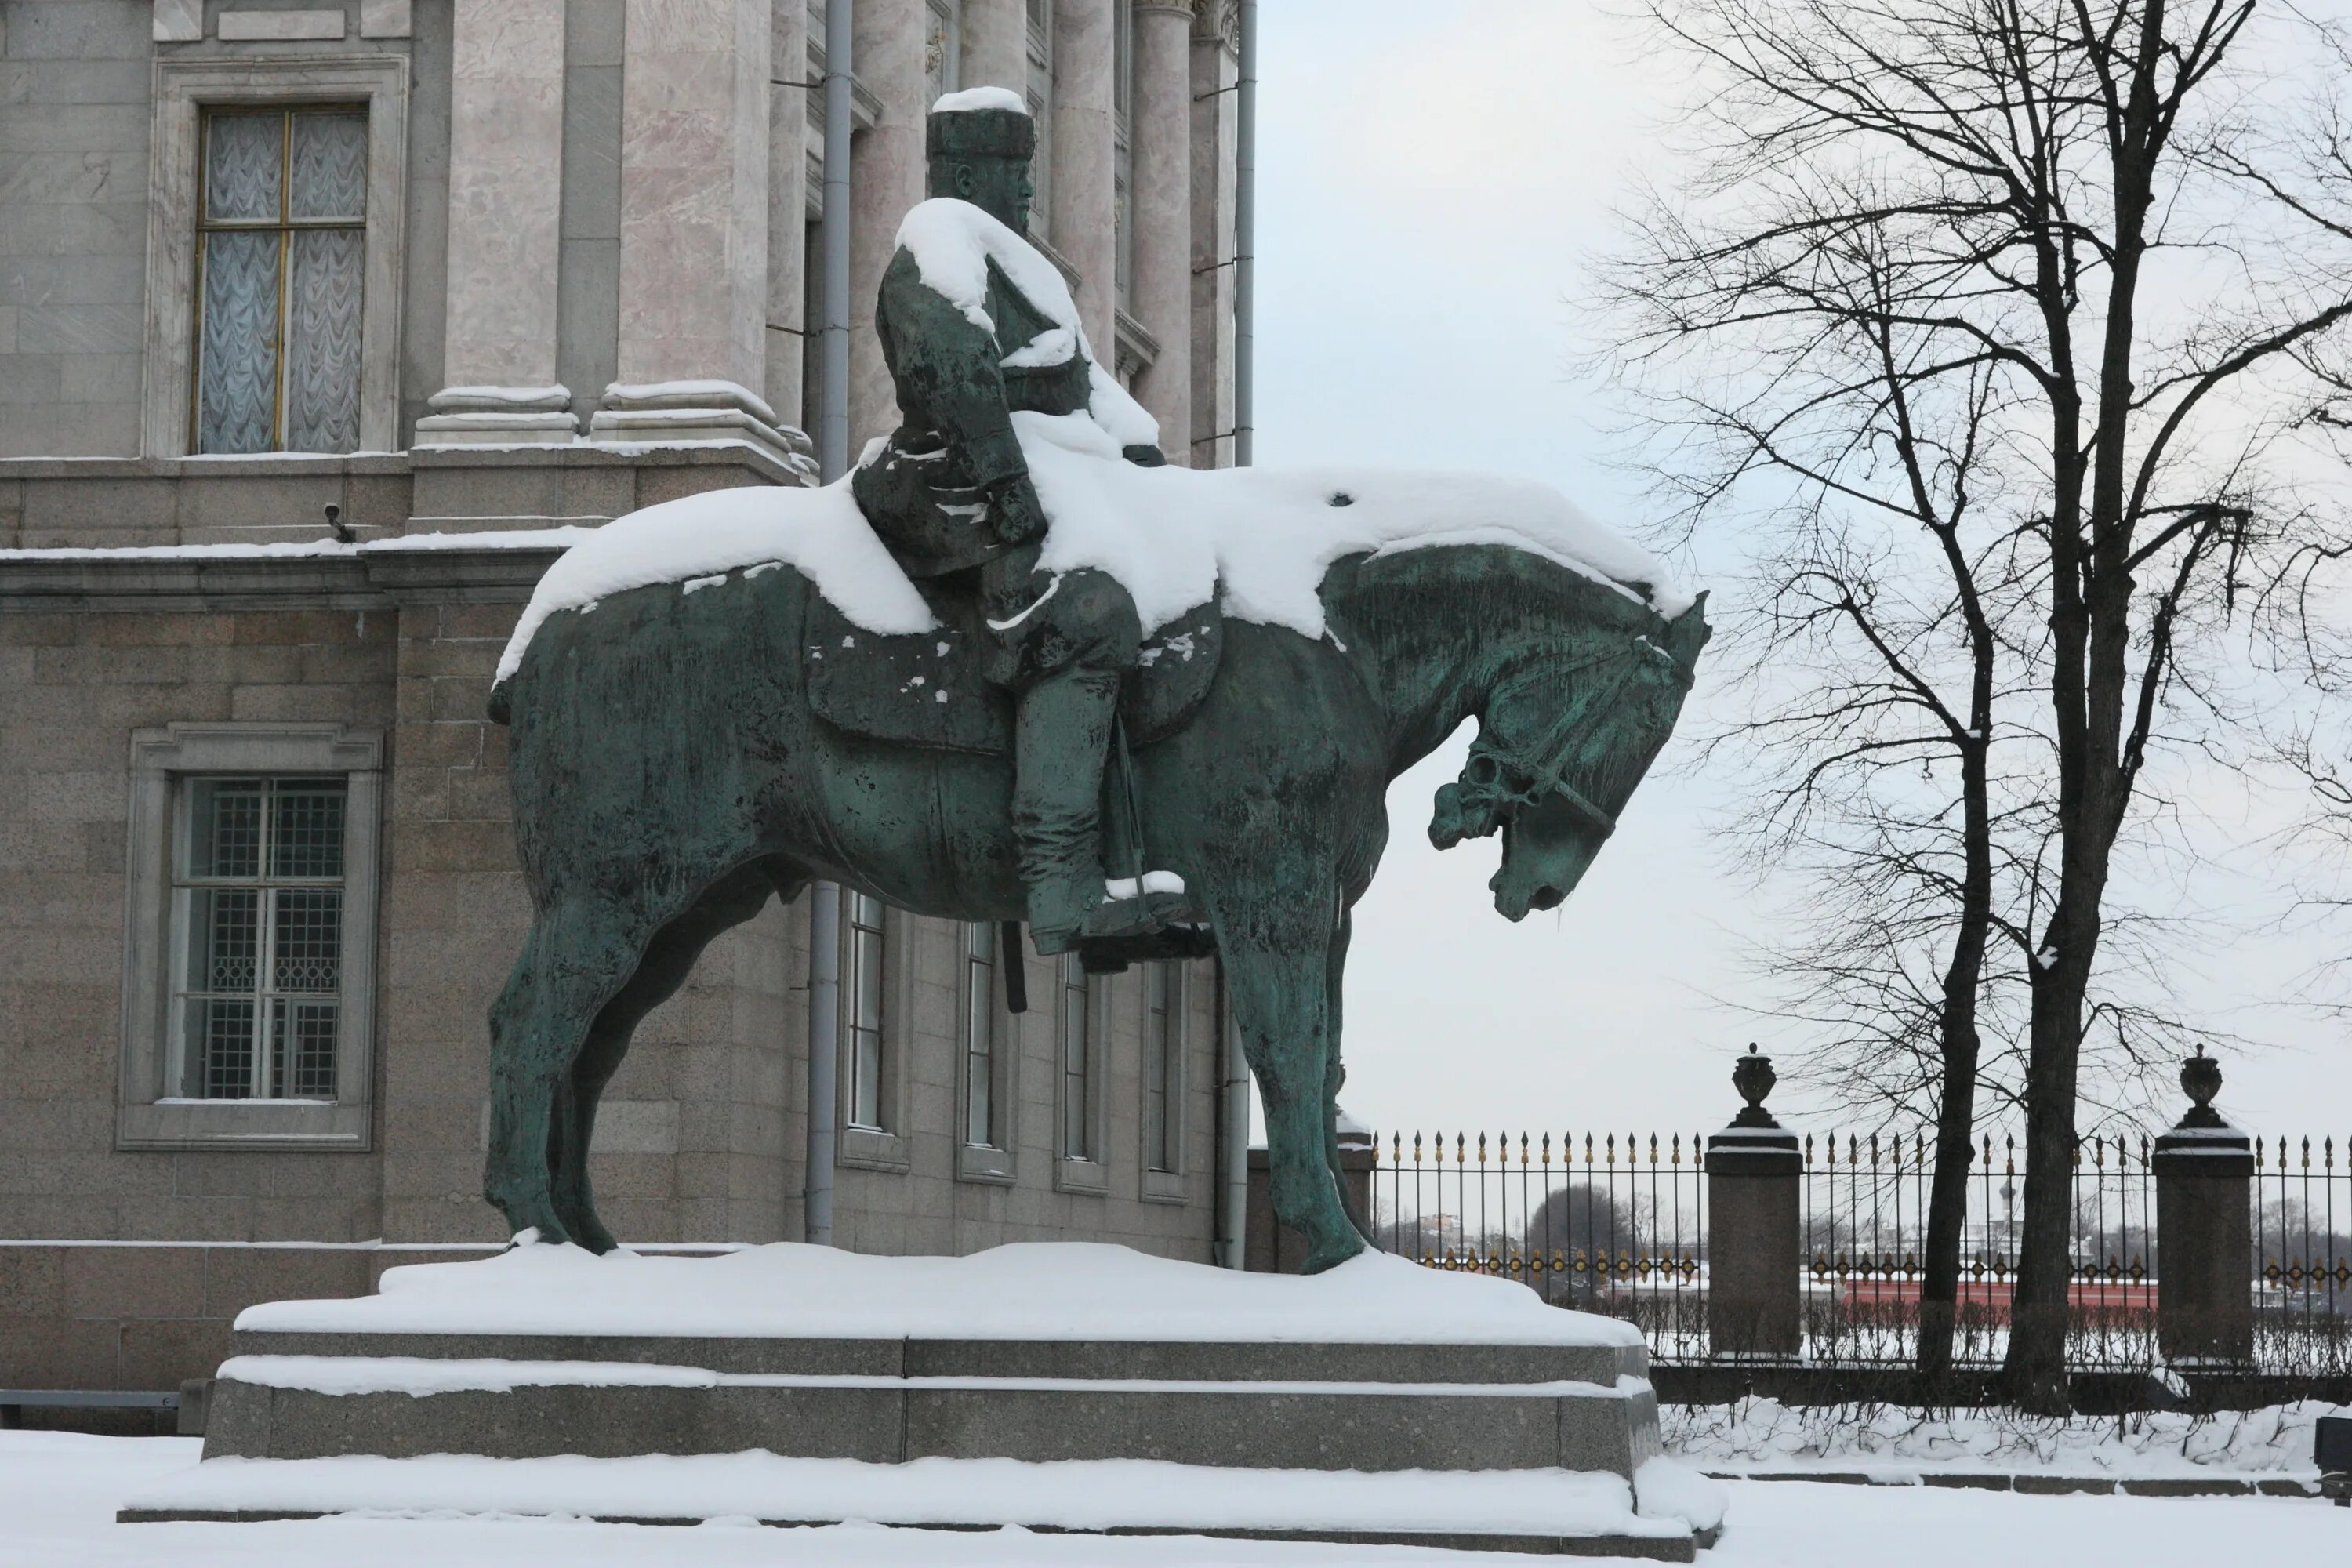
{"x": 1617, "y": 1223}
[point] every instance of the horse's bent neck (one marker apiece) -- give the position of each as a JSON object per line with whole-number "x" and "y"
{"x": 1433, "y": 630}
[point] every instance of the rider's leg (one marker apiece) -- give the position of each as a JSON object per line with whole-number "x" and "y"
{"x": 1071, "y": 637}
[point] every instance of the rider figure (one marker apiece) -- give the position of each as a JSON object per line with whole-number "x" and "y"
{"x": 950, "y": 492}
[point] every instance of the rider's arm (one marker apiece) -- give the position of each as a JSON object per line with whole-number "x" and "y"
{"x": 946, "y": 371}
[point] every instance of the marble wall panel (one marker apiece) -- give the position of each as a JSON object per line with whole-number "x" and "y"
{"x": 1086, "y": 208}
{"x": 885, "y": 178}
{"x": 694, "y": 205}
{"x": 506, "y": 140}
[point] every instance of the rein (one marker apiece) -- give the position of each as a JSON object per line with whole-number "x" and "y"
{"x": 1497, "y": 782}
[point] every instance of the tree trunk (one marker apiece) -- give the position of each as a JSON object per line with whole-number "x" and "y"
{"x": 1947, "y": 1193}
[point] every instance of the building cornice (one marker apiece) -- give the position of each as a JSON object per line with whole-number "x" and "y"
{"x": 1217, "y": 21}
{"x": 380, "y": 576}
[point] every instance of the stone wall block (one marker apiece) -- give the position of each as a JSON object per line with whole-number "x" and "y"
{"x": 236, "y": 1277}
{"x": 58, "y": 1352}
{"x": 32, "y": 1282}
{"x": 135, "y": 1281}
{"x": 159, "y": 1356}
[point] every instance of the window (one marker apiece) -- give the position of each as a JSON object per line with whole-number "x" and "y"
{"x": 942, "y": 50}
{"x": 979, "y": 1126}
{"x": 248, "y": 977}
{"x": 1041, "y": 111}
{"x": 1081, "y": 1115}
{"x": 865, "y": 1011}
{"x": 273, "y": 291}
{"x": 990, "y": 1053}
{"x": 281, "y": 231}
{"x": 1122, "y": 115}
{"x": 1164, "y": 1066}
{"x": 258, "y": 937}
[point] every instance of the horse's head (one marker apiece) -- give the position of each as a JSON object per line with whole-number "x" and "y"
{"x": 1570, "y": 728}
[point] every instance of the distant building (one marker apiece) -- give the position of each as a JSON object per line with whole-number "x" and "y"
{"x": 457, "y": 267}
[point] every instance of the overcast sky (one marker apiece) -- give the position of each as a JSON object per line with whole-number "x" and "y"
{"x": 1430, "y": 179}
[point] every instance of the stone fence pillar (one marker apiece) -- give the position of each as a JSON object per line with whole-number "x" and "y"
{"x": 2204, "y": 1230}
{"x": 1754, "y": 1238}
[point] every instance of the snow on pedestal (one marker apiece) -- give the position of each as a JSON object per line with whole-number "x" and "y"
{"x": 1035, "y": 1290}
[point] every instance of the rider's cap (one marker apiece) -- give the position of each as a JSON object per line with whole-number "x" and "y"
{"x": 979, "y": 122}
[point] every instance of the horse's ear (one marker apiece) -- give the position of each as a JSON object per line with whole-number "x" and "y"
{"x": 1687, "y": 633}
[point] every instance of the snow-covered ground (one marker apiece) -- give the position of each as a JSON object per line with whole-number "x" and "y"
{"x": 1764, "y": 1435}
{"x": 59, "y": 1493}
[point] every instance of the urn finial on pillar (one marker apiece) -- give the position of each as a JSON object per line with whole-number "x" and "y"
{"x": 1753, "y": 1077}
{"x": 2204, "y": 1178}
{"x": 2201, "y": 1080}
{"x": 1754, "y": 1234}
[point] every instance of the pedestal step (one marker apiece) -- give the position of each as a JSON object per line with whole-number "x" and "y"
{"x": 301, "y": 1407}
{"x": 1536, "y": 1510}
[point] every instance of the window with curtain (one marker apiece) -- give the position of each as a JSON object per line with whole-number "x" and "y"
{"x": 865, "y": 1013}
{"x": 1080, "y": 1135}
{"x": 1163, "y": 1064}
{"x": 280, "y": 248}
{"x": 258, "y": 943}
{"x": 981, "y": 1128}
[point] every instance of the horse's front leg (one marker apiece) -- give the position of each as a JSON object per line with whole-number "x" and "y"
{"x": 1281, "y": 1000}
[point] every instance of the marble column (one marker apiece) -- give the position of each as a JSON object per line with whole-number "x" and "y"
{"x": 885, "y": 178}
{"x": 790, "y": 96}
{"x": 1085, "y": 227}
{"x": 506, "y": 140}
{"x": 694, "y": 226}
{"x": 996, "y": 44}
{"x": 1160, "y": 132}
{"x": 1216, "y": 65}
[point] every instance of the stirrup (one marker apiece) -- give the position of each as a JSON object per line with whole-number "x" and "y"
{"x": 1138, "y": 914}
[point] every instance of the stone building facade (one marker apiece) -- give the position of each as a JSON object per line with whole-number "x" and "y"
{"x": 389, "y": 288}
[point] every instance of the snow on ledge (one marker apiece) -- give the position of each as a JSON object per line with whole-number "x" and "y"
{"x": 1073, "y": 1494}
{"x": 1032, "y": 1290}
{"x": 489, "y": 539}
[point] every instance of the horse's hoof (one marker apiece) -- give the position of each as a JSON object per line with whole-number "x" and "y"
{"x": 1331, "y": 1253}
{"x": 589, "y": 1231}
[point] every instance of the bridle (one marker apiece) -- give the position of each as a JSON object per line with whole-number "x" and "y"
{"x": 1498, "y": 782}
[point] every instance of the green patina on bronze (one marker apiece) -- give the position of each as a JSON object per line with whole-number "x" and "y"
{"x": 679, "y": 758}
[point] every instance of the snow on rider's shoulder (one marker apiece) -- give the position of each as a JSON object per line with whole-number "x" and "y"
{"x": 952, "y": 242}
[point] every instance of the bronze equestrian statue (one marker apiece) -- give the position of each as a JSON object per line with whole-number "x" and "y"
{"x": 678, "y": 757}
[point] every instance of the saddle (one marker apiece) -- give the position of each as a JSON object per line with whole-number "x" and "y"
{"x": 931, "y": 688}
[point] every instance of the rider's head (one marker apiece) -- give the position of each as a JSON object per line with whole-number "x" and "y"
{"x": 980, "y": 142}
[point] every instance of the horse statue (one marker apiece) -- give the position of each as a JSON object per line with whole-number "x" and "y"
{"x": 676, "y": 763}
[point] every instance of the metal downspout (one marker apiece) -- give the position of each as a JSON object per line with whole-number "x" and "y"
{"x": 1246, "y": 245}
{"x": 833, "y": 462}
{"x": 1234, "y": 1077}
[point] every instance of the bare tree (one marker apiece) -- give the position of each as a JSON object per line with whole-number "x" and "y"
{"x": 1998, "y": 321}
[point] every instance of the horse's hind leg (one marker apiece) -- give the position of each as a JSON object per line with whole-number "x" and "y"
{"x": 666, "y": 962}
{"x": 579, "y": 952}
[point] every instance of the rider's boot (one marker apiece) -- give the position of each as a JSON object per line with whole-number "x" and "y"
{"x": 1061, "y": 738}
